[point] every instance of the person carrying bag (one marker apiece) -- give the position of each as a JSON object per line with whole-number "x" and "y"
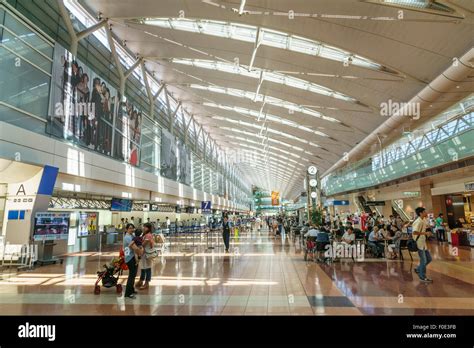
{"x": 419, "y": 230}
{"x": 147, "y": 260}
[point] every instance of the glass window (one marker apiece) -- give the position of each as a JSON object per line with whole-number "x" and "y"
{"x": 462, "y": 126}
{"x": 450, "y": 127}
{"x": 28, "y": 35}
{"x": 22, "y": 85}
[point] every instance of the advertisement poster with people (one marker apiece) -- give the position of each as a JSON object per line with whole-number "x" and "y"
{"x": 88, "y": 222}
{"x": 128, "y": 133}
{"x": 169, "y": 160}
{"x": 184, "y": 165}
{"x": 83, "y": 108}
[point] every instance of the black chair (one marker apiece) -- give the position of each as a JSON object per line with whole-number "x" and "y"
{"x": 403, "y": 246}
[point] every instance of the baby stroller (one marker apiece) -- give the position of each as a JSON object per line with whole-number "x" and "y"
{"x": 111, "y": 274}
{"x": 310, "y": 248}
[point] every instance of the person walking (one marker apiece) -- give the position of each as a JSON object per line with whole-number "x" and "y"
{"x": 130, "y": 249}
{"x": 147, "y": 259}
{"x": 226, "y": 233}
{"x": 420, "y": 235}
{"x": 440, "y": 229}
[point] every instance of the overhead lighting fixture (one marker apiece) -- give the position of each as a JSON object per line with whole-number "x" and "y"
{"x": 270, "y": 130}
{"x": 267, "y": 100}
{"x": 269, "y": 117}
{"x": 240, "y": 131}
{"x": 269, "y": 37}
{"x": 266, "y": 75}
{"x": 427, "y": 6}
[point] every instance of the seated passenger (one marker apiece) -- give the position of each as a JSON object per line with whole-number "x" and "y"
{"x": 374, "y": 242}
{"x": 312, "y": 232}
{"x": 322, "y": 240}
{"x": 349, "y": 236}
{"x": 395, "y": 236}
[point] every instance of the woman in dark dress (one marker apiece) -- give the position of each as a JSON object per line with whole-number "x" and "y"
{"x": 96, "y": 99}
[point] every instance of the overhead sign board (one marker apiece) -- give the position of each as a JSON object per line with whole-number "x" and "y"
{"x": 312, "y": 170}
{"x": 336, "y": 202}
{"x": 469, "y": 186}
{"x": 374, "y": 203}
{"x": 206, "y": 207}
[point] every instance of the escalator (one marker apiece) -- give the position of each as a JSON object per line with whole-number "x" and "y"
{"x": 363, "y": 205}
{"x": 399, "y": 211}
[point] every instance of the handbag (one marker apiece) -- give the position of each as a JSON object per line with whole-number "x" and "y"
{"x": 411, "y": 244}
{"x": 150, "y": 253}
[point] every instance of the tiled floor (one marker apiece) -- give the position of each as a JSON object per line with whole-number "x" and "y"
{"x": 262, "y": 276}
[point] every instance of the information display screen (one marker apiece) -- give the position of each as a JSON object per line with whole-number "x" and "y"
{"x": 120, "y": 204}
{"x": 51, "y": 226}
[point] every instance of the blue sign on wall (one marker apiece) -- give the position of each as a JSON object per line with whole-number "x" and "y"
{"x": 206, "y": 207}
{"x": 334, "y": 202}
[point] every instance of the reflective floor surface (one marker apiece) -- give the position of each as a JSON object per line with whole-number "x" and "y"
{"x": 261, "y": 276}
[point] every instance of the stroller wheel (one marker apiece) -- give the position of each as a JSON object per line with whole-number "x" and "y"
{"x": 97, "y": 290}
{"x": 119, "y": 288}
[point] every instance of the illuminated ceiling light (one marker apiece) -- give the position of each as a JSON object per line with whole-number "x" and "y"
{"x": 266, "y": 145}
{"x": 269, "y": 37}
{"x": 430, "y": 6}
{"x": 274, "y": 131}
{"x": 235, "y": 130}
{"x": 271, "y": 118}
{"x": 285, "y": 158}
{"x": 266, "y": 99}
{"x": 266, "y": 75}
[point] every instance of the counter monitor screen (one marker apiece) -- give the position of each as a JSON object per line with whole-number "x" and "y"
{"x": 51, "y": 226}
{"x": 120, "y": 204}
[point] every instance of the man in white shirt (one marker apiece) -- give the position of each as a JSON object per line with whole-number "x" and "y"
{"x": 348, "y": 237}
{"x": 312, "y": 232}
{"x": 420, "y": 235}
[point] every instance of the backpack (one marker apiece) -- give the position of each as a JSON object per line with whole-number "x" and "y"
{"x": 411, "y": 244}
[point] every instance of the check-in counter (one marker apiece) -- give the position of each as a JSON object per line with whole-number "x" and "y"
{"x": 89, "y": 243}
{"x": 110, "y": 236}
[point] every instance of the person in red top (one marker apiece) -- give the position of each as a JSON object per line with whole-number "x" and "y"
{"x": 145, "y": 262}
{"x": 133, "y": 156}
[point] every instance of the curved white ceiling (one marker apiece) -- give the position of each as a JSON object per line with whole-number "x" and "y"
{"x": 310, "y": 86}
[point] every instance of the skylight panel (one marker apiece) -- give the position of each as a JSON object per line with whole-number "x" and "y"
{"x": 244, "y": 33}
{"x": 271, "y": 118}
{"x": 268, "y": 99}
{"x": 302, "y": 45}
{"x": 269, "y": 76}
{"x": 275, "y": 39}
{"x": 159, "y": 22}
{"x": 269, "y": 37}
{"x": 184, "y": 24}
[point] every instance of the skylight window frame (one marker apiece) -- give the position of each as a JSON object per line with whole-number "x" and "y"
{"x": 269, "y": 117}
{"x": 287, "y": 42}
{"x": 268, "y": 100}
{"x": 270, "y": 76}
